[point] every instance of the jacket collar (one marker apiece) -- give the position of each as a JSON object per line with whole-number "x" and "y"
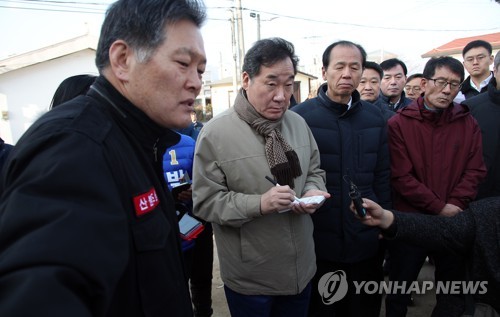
{"x": 339, "y": 108}
{"x": 466, "y": 85}
{"x": 418, "y": 111}
{"x": 152, "y": 137}
{"x": 402, "y": 102}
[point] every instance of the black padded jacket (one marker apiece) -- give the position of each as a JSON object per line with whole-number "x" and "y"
{"x": 87, "y": 227}
{"x": 352, "y": 143}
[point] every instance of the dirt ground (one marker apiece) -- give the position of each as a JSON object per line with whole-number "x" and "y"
{"x": 423, "y": 304}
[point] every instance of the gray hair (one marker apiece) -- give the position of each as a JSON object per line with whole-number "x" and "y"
{"x": 141, "y": 24}
{"x": 496, "y": 62}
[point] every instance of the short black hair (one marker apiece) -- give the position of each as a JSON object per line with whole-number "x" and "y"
{"x": 393, "y": 62}
{"x": 477, "y": 43}
{"x": 376, "y": 67}
{"x": 449, "y": 62}
{"x": 416, "y": 75}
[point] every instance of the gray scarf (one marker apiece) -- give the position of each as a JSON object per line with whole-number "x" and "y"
{"x": 282, "y": 159}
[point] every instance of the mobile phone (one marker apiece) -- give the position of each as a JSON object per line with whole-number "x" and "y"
{"x": 180, "y": 188}
{"x": 190, "y": 227}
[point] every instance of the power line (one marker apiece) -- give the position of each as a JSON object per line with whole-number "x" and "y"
{"x": 55, "y": 6}
{"x": 31, "y": 5}
{"x": 357, "y": 24}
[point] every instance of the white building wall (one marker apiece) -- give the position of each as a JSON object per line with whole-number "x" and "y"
{"x": 222, "y": 98}
{"x": 26, "y": 93}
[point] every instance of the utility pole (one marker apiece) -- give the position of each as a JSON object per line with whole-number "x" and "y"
{"x": 235, "y": 54}
{"x": 256, "y": 16}
{"x": 241, "y": 40}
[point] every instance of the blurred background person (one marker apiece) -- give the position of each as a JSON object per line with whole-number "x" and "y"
{"x": 413, "y": 88}
{"x": 197, "y": 251}
{"x": 478, "y": 59}
{"x": 393, "y": 81}
{"x": 5, "y": 149}
{"x": 71, "y": 87}
{"x": 369, "y": 87}
{"x": 485, "y": 107}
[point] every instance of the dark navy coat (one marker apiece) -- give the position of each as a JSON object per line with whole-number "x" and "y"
{"x": 352, "y": 143}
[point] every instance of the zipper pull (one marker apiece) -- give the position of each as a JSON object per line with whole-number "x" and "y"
{"x": 155, "y": 150}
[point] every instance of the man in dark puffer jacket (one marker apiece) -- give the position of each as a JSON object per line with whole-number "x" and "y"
{"x": 485, "y": 108}
{"x": 352, "y": 139}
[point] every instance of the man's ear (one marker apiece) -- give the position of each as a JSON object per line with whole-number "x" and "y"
{"x": 120, "y": 55}
{"x": 423, "y": 84}
{"x": 245, "y": 80}
{"x": 323, "y": 72}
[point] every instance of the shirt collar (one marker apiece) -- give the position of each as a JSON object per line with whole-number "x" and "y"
{"x": 483, "y": 84}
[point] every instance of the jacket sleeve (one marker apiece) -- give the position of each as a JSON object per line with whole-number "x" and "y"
{"x": 475, "y": 172}
{"x": 402, "y": 179}
{"x": 63, "y": 233}
{"x": 454, "y": 234}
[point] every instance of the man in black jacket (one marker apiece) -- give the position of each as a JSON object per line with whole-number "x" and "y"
{"x": 477, "y": 61}
{"x": 485, "y": 107}
{"x": 392, "y": 95}
{"x": 87, "y": 227}
{"x": 352, "y": 139}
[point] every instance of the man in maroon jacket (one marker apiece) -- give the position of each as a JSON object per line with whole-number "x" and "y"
{"x": 436, "y": 166}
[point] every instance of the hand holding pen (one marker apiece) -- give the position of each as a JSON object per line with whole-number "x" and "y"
{"x": 285, "y": 200}
{"x": 277, "y": 199}
{"x": 295, "y": 199}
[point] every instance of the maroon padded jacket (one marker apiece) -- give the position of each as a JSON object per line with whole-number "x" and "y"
{"x": 436, "y": 158}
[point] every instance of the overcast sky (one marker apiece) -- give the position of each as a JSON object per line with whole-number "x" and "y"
{"x": 406, "y": 28}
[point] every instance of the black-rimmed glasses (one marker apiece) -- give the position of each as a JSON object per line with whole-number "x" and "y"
{"x": 441, "y": 83}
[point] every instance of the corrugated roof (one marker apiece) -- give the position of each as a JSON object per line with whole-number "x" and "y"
{"x": 456, "y": 46}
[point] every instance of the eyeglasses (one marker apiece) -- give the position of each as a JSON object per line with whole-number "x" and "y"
{"x": 441, "y": 83}
{"x": 471, "y": 59}
{"x": 414, "y": 88}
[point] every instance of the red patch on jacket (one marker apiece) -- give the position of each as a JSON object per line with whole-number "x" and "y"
{"x": 146, "y": 202}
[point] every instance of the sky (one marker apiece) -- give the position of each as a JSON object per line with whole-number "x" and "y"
{"x": 406, "y": 28}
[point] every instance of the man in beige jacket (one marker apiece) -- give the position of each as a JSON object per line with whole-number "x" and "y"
{"x": 263, "y": 234}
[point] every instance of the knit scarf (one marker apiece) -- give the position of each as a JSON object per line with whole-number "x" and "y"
{"x": 282, "y": 159}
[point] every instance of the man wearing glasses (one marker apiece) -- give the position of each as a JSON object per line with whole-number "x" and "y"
{"x": 478, "y": 58}
{"x": 436, "y": 167}
{"x": 412, "y": 87}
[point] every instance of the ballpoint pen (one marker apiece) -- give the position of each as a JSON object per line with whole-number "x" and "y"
{"x": 276, "y": 184}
